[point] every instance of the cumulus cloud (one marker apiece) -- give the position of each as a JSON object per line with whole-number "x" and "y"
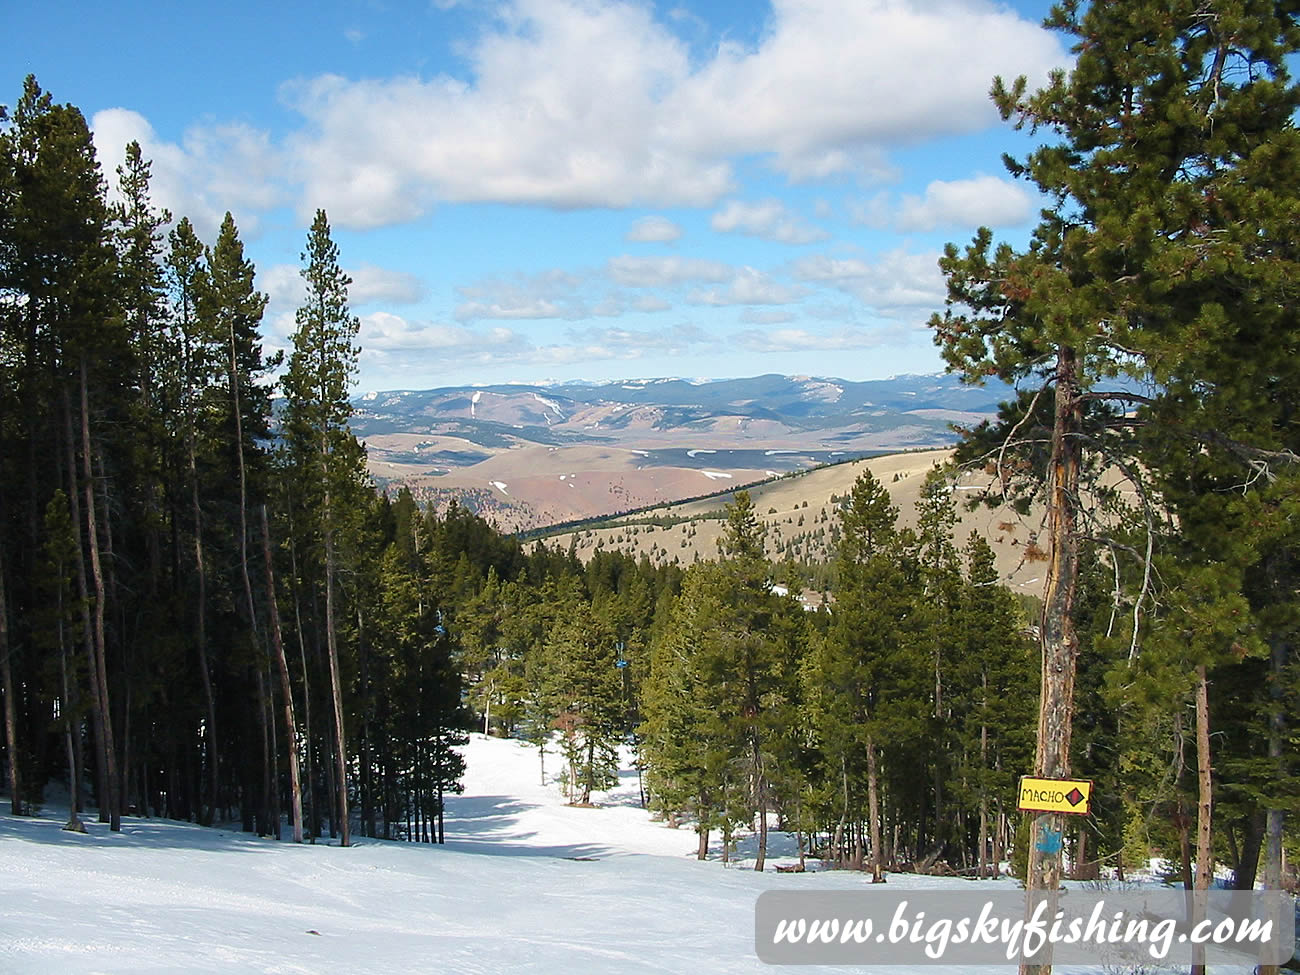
{"x": 769, "y": 219}
{"x": 748, "y": 287}
{"x": 766, "y": 316}
{"x": 898, "y": 282}
{"x": 654, "y": 230}
{"x": 396, "y": 348}
{"x": 634, "y": 343}
{"x": 214, "y": 168}
{"x": 574, "y": 103}
{"x": 979, "y": 201}
{"x": 549, "y": 294}
{"x": 526, "y": 123}
{"x": 848, "y": 338}
{"x": 651, "y": 272}
{"x": 371, "y": 284}
{"x": 284, "y": 286}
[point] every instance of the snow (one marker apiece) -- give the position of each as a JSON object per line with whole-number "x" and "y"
{"x": 500, "y": 486}
{"x": 549, "y": 404}
{"x": 474, "y": 400}
{"x": 715, "y": 475}
{"x": 698, "y": 451}
{"x": 525, "y": 884}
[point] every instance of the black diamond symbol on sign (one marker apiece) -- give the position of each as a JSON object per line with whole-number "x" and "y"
{"x": 1074, "y": 796}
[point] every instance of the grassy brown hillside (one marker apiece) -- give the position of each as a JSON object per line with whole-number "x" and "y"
{"x": 799, "y": 516}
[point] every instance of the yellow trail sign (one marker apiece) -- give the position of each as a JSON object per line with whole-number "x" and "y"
{"x": 1054, "y": 795}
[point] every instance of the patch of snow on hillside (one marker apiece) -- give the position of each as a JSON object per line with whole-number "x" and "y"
{"x": 769, "y": 453}
{"x": 549, "y": 404}
{"x": 478, "y": 395}
{"x": 715, "y": 475}
{"x": 370, "y": 396}
{"x": 698, "y": 451}
{"x": 500, "y": 486}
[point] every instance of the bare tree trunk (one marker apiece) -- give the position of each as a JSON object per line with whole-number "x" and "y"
{"x": 702, "y": 851}
{"x": 1057, "y": 634}
{"x": 97, "y": 574}
{"x": 11, "y": 719}
{"x": 286, "y": 687}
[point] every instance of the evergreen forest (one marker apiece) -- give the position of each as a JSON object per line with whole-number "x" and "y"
{"x": 208, "y": 612}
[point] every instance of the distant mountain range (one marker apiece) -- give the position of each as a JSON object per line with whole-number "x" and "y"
{"x": 535, "y": 454}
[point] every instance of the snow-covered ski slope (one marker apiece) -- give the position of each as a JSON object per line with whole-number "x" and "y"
{"x": 524, "y": 884}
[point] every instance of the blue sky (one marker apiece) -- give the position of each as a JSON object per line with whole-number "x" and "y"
{"x": 568, "y": 189}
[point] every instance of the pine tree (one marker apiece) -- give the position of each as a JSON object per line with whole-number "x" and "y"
{"x": 1165, "y": 184}
{"x": 317, "y": 409}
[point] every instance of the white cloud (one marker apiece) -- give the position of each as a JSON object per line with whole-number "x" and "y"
{"x": 384, "y": 331}
{"x": 766, "y": 316}
{"x": 895, "y": 283}
{"x": 652, "y": 272}
{"x": 654, "y": 230}
{"x": 831, "y": 82}
{"x": 371, "y": 284}
{"x": 572, "y": 103}
{"x": 579, "y": 103}
{"x": 213, "y": 169}
{"x": 968, "y": 203}
{"x": 282, "y": 284}
{"x": 650, "y": 303}
{"x": 848, "y": 338}
{"x": 634, "y": 343}
{"x": 748, "y": 287}
{"x": 769, "y": 219}
{"x": 550, "y": 294}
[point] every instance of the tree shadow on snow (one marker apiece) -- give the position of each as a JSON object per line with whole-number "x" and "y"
{"x": 483, "y": 825}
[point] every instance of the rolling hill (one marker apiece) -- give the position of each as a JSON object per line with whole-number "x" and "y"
{"x": 530, "y": 456}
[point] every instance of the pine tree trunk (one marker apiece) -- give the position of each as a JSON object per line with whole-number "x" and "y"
{"x": 873, "y": 812}
{"x": 206, "y": 814}
{"x": 1275, "y": 817}
{"x": 1057, "y": 630}
{"x": 760, "y": 789}
{"x": 83, "y": 593}
{"x": 69, "y": 732}
{"x": 336, "y": 683}
{"x": 11, "y": 720}
{"x": 702, "y": 850}
{"x": 1205, "y": 799}
{"x": 286, "y": 687}
{"x": 313, "y": 813}
{"x": 97, "y": 575}
{"x": 264, "y": 725}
